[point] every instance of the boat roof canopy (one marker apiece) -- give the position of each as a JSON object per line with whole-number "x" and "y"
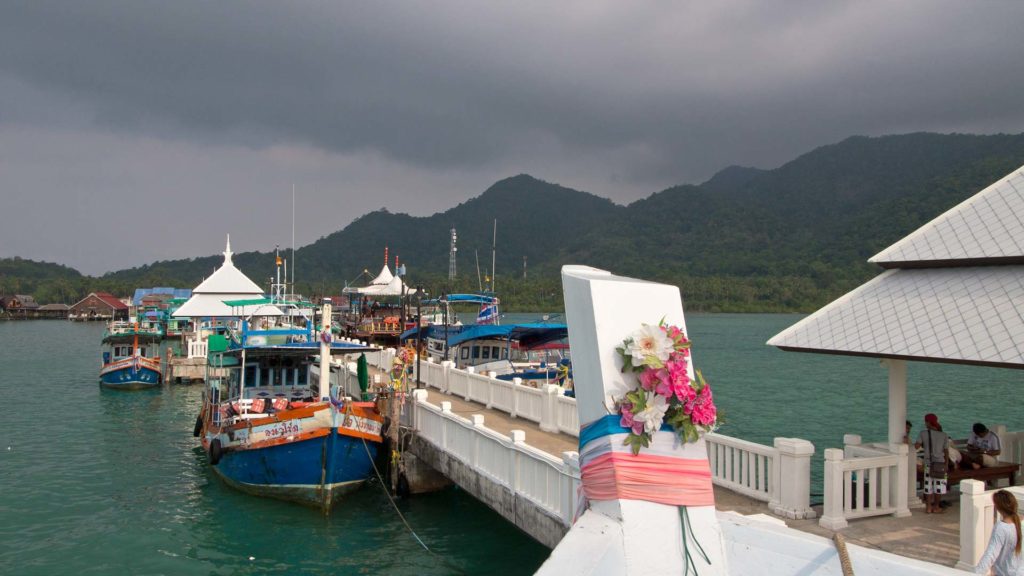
{"x": 528, "y": 335}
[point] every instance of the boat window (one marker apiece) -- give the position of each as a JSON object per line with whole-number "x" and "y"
{"x": 465, "y": 353}
{"x": 487, "y": 352}
{"x": 495, "y": 353}
{"x": 142, "y": 352}
{"x": 250, "y": 375}
{"x": 504, "y": 353}
{"x": 476, "y": 351}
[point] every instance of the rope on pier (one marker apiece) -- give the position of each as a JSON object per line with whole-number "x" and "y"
{"x": 401, "y": 517}
{"x": 844, "y": 555}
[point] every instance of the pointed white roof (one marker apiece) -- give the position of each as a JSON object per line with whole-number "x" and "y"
{"x": 987, "y": 228}
{"x": 225, "y": 284}
{"x": 228, "y": 280}
{"x": 384, "y": 278}
{"x": 952, "y": 292}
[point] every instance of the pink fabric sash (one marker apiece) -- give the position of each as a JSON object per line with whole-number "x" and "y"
{"x": 650, "y": 477}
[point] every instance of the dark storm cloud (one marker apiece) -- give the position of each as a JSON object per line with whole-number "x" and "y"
{"x": 426, "y": 104}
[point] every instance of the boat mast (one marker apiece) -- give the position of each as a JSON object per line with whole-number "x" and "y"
{"x": 293, "y": 239}
{"x": 479, "y": 283}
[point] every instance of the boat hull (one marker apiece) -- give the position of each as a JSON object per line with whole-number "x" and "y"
{"x": 312, "y": 471}
{"x": 129, "y": 377}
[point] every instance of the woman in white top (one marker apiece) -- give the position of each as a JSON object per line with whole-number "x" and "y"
{"x": 1003, "y": 552}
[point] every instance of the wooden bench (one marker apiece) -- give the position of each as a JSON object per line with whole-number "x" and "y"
{"x": 1006, "y": 470}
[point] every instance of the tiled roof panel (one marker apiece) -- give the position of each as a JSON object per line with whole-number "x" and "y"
{"x": 988, "y": 225}
{"x": 966, "y": 314}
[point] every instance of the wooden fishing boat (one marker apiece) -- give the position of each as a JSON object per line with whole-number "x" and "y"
{"x": 130, "y": 355}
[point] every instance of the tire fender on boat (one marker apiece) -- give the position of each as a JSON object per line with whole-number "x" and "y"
{"x": 199, "y": 426}
{"x": 215, "y": 451}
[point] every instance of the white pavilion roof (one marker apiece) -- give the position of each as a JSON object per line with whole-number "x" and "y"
{"x": 384, "y": 278}
{"x": 986, "y": 228}
{"x": 228, "y": 280}
{"x": 967, "y": 315}
{"x": 213, "y": 306}
{"x": 226, "y": 283}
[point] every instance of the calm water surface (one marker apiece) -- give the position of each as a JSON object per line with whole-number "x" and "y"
{"x": 100, "y": 482}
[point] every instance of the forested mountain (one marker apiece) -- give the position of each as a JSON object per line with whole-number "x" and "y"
{"x": 791, "y": 238}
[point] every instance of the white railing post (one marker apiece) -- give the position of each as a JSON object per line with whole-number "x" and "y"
{"x": 833, "y": 516}
{"x": 518, "y": 438}
{"x": 491, "y": 377}
{"x": 548, "y": 422}
{"x": 419, "y": 396}
{"x": 478, "y": 422}
{"x": 468, "y": 393}
{"x": 446, "y": 413}
{"x": 850, "y": 440}
{"x": 791, "y": 479}
{"x": 446, "y": 369}
{"x": 972, "y": 523}
{"x": 571, "y": 471}
{"x": 514, "y": 411}
{"x": 899, "y": 483}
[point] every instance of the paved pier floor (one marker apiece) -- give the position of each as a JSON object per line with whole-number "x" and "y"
{"x": 929, "y": 537}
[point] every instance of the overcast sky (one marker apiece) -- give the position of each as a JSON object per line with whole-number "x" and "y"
{"x": 135, "y": 131}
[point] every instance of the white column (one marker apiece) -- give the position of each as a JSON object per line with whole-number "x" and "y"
{"x": 644, "y": 537}
{"x": 972, "y": 523}
{"x": 794, "y": 478}
{"x": 897, "y": 399}
{"x": 325, "y": 353}
{"x": 548, "y": 412}
{"x": 899, "y": 484}
{"x": 833, "y": 516}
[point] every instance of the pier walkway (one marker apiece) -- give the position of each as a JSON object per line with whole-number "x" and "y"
{"x": 529, "y": 473}
{"x": 929, "y": 537}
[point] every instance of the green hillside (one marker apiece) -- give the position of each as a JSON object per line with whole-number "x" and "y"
{"x": 788, "y": 239}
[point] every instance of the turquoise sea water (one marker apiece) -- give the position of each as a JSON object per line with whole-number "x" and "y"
{"x": 94, "y": 481}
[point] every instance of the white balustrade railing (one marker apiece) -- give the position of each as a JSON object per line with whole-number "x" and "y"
{"x": 779, "y": 474}
{"x": 977, "y": 519}
{"x": 867, "y": 482}
{"x": 550, "y": 483}
{"x": 198, "y": 348}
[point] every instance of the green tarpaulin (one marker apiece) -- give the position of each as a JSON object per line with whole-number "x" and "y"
{"x": 363, "y": 372}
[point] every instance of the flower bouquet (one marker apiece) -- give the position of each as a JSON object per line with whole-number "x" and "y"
{"x": 659, "y": 357}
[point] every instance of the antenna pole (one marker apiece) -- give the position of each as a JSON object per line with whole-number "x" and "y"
{"x": 494, "y": 245}
{"x": 479, "y": 283}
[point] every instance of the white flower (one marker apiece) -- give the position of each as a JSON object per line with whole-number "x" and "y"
{"x": 653, "y": 414}
{"x": 649, "y": 343}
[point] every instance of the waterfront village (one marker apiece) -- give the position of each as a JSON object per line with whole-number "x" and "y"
{"x": 607, "y": 455}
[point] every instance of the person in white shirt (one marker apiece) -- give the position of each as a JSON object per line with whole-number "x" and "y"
{"x": 1003, "y": 552}
{"x": 982, "y": 447}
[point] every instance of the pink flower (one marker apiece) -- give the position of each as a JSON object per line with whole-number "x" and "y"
{"x": 702, "y": 409}
{"x": 649, "y": 379}
{"x": 664, "y": 387}
{"x": 626, "y": 408}
{"x": 638, "y": 427}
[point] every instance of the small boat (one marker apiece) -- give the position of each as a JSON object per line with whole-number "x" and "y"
{"x": 536, "y": 353}
{"x": 131, "y": 358}
{"x": 269, "y": 431}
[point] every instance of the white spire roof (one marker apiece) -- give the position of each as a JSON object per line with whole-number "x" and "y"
{"x": 226, "y": 283}
{"x": 384, "y": 278}
{"x": 228, "y": 279}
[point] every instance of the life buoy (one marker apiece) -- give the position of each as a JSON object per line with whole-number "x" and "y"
{"x": 199, "y": 426}
{"x": 215, "y": 451}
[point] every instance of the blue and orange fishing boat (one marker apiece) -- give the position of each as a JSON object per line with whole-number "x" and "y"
{"x": 131, "y": 358}
{"x": 268, "y": 430}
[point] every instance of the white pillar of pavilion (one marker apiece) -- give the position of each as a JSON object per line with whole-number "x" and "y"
{"x": 325, "y": 352}
{"x": 898, "y": 426}
{"x": 631, "y": 537}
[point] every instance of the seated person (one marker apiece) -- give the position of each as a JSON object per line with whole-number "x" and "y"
{"x": 982, "y": 447}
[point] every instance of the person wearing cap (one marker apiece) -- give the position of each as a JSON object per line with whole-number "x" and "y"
{"x": 936, "y": 462}
{"x": 982, "y": 447}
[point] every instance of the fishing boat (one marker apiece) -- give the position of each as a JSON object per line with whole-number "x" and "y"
{"x": 130, "y": 355}
{"x": 268, "y": 430}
